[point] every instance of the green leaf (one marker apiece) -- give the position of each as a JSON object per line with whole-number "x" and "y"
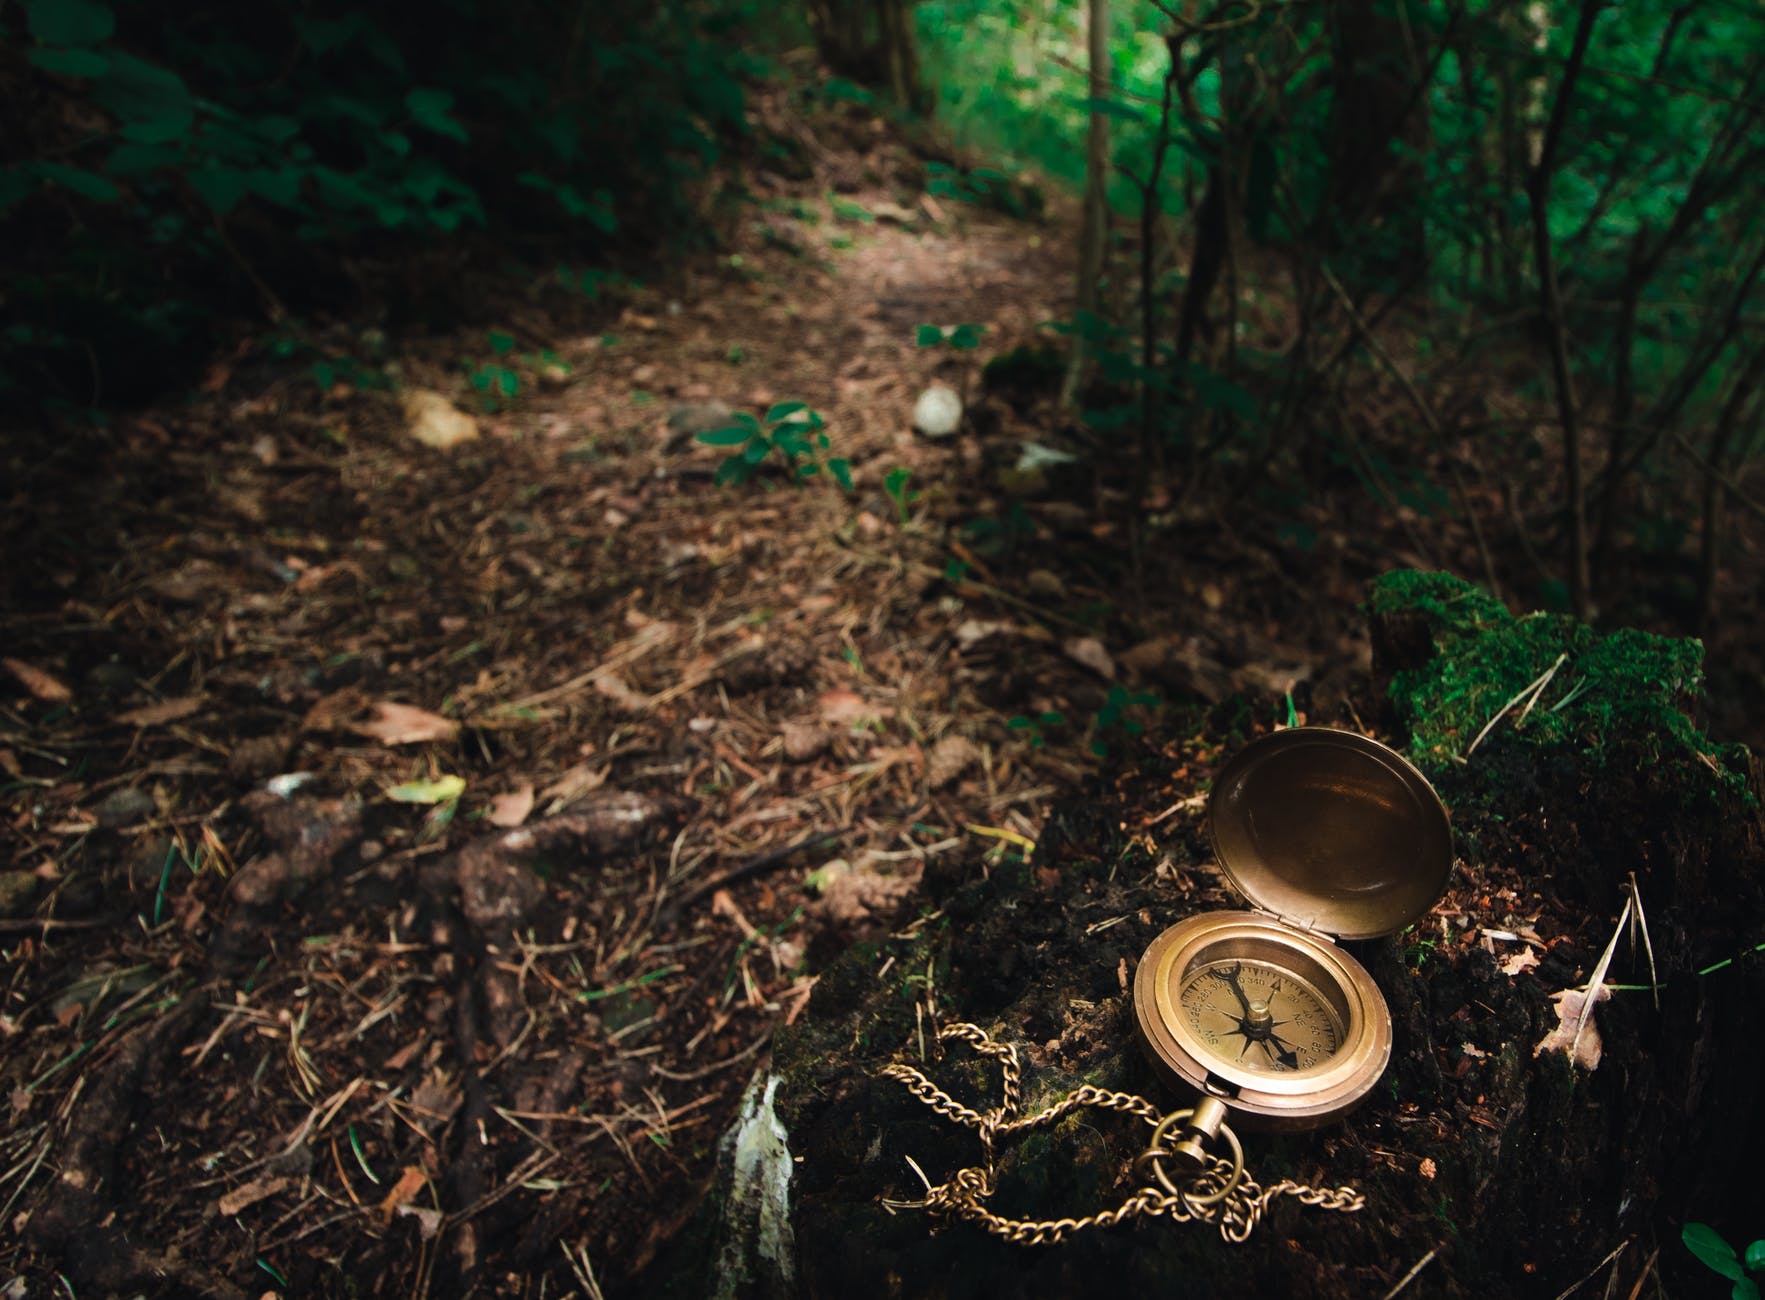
{"x": 1744, "y": 1289}
{"x": 1756, "y": 1256}
{"x": 784, "y": 410}
{"x": 841, "y": 469}
{"x": 927, "y": 336}
{"x": 756, "y": 451}
{"x": 70, "y": 63}
{"x": 152, "y": 103}
{"x": 439, "y": 790}
{"x": 84, "y": 183}
{"x": 1708, "y": 1245}
{"x": 501, "y": 342}
{"x": 966, "y": 336}
{"x": 733, "y": 470}
{"x": 729, "y": 436}
{"x": 70, "y": 22}
{"x": 138, "y": 159}
{"x": 429, "y": 109}
{"x": 508, "y": 382}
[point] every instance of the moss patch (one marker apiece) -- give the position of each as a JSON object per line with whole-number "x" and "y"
{"x": 1624, "y": 692}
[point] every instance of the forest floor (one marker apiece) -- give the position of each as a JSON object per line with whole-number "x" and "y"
{"x": 412, "y": 852}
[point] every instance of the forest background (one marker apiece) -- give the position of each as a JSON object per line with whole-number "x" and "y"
{"x": 1428, "y": 284}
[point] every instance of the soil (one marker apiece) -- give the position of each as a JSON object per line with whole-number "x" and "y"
{"x": 286, "y": 1010}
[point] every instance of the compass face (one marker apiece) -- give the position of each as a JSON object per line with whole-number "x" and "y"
{"x": 1258, "y": 1016}
{"x": 1281, "y": 1025}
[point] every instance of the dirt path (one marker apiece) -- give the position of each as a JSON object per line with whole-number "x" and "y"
{"x": 283, "y": 1004}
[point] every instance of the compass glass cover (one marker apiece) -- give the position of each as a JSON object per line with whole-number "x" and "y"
{"x": 1257, "y": 1016}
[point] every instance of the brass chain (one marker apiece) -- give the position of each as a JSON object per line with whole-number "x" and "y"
{"x": 1220, "y": 1193}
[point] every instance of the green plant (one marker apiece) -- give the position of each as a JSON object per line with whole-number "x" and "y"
{"x": 1115, "y": 714}
{"x": 896, "y": 486}
{"x": 1713, "y": 1250}
{"x": 964, "y": 337}
{"x": 1034, "y": 726}
{"x": 496, "y": 380}
{"x": 792, "y": 431}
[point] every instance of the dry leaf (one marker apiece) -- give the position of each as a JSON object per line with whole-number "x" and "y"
{"x": 511, "y": 809}
{"x": 616, "y": 689}
{"x": 409, "y": 1183}
{"x": 404, "y": 724}
{"x": 804, "y": 741}
{"x": 949, "y": 759}
{"x": 843, "y": 708}
{"x": 434, "y": 421}
{"x": 575, "y": 783}
{"x": 1427, "y": 1168}
{"x": 154, "y": 715}
{"x": 1569, "y": 1003}
{"x": 258, "y": 1189}
{"x": 38, "y": 682}
{"x": 1524, "y": 960}
{"x": 334, "y": 711}
{"x": 1088, "y": 652}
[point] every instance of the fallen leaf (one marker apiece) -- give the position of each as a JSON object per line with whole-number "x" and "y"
{"x": 332, "y": 712}
{"x": 573, "y": 784}
{"x": 1427, "y": 1168}
{"x": 440, "y": 790}
{"x": 258, "y": 1189}
{"x": 404, "y": 724}
{"x": 949, "y": 759}
{"x": 616, "y": 689}
{"x": 410, "y": 1182}
{"x": 434, "y": 421}
{"x": 511, "y": 809}
{"x": 1568, "y": 1006}
{"x": 804, "y": 741}
{"x": 842, "y": 708}
{"x": 154, "y": 715}
{"x": 9, "y": 763}
{"x": 1524, "y": 960}
{"x": 38, "y": 682}
{"x": 1088, "y": 652}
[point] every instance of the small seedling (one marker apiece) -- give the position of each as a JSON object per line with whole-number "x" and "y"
{"x": 896, "y": 486}
{"x": 964, "y": 337}
{"x": 1034, "y": 726}
{"x": 1114, "y": 713}
{"x": 495, "y": 380}
{"x": 1713, "y": 1250}
{"x": 790, "y": 429}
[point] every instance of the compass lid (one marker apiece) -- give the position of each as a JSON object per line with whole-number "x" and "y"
{"x": 1331, "y": 831}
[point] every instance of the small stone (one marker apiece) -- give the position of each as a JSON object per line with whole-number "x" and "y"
{"x": 18, "y": 890}
{"x": 370, "y": 850}
{"x": 938, "y": 412}
{"x": 125, "y": 807}
{"x": 1046, "y": 584}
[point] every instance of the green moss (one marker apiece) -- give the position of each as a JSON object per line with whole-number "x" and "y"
{"x": 1621, "y": 692}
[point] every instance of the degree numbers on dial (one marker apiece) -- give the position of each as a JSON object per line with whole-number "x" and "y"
{"x": 1259, "y": 1017}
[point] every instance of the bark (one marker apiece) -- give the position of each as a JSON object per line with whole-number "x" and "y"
{"x": 1096, "y": 213}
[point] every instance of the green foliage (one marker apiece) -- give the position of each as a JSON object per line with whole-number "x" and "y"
{"x": 1714, "y": 1252}
{"x": 1626, "y": 691}
{"x": 964, "y": 338}
{"x": 1033, "y": 727}
{"x": 1116, "y": 714}
{"x": 796, "y": 434}
{"x": 896, "y": 486}
{"x": 170, "y": 169}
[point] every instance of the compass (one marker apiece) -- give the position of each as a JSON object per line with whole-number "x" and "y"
{"x": 1328, "y": 835}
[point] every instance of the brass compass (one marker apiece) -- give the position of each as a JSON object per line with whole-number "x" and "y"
{"x": 1327, "y": 835}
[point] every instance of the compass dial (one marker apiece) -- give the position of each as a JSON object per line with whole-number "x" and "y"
{"x": 1258, "y": 1016}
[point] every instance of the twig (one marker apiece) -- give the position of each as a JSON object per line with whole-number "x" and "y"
{"x": 752, "y": 867}
{"x": 691, "y": 1076}
{"x": 1410, "y": 1276}
{"x": 1648, "y": 945}
{"x": 1532, "y": 689}
{"x": 1616, "y": 1251}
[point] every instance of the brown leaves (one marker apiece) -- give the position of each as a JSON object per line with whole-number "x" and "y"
{"x": 38, "y": 683}
{"x": 511, "y": 809}
{"x": 156, "y": 715}
{"x": 404, "y": 724}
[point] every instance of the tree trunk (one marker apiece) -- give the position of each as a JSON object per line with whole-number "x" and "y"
{"x": 1095, "y": 229}
{"x": 871, "y": 42}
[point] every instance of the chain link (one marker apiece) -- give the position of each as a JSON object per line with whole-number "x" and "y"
{"x": 1220, "y": 1193}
